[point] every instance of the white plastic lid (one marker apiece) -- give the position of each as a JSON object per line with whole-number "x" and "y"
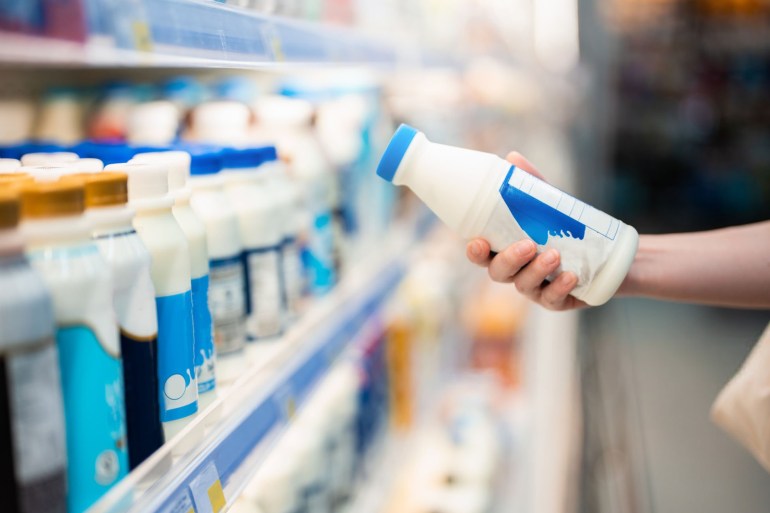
{"x": 152, "y": 123}
{"x": 9, "y": 165}
{"x": 88, "y": 165}
{"x": 147, "y": 184}
{"x": 49, "y": 159}
{"x": 283, "y": 111}
{"x": 49, "y": 173}
{"x": 178, "y": 163}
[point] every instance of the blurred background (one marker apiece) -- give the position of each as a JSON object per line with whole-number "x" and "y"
{"x": 656, "y": 111}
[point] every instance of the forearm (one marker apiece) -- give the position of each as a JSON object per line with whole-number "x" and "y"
{"x": 728, "y": 267}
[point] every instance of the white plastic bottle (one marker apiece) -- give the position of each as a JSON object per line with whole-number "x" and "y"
{"x": 227, "y": 295}
{"x": 170, "y": 271}
{"x": 293, "y": 278}
{"x": 9, "y": 165}
{"x": 59, "y": 247}
{"x": 220, "y": 122}
{"x": 48, "y": 173}
{"x": 261, "y": 236}
{"x": 481, "y": 195}
{"x": 178, "y": 163}
{"x": 34, "y": 451}
{"x": 154, "y": 123}
{"x": 58, "y": 158}
{"x": 288, "y": 122}
{"x": 106, "y": 197}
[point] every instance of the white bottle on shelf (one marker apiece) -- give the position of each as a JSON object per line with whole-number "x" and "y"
{"x": 31, "y": 386}
{"x": 227, "y": 297}
{"x": 48, "y": 173}
{"x": 178, "y": 163}
{"x": 9, "y": 165}
{"x": 481, "y": 195}
{"x": 288, "y": 122}
{"x": 221, "y": 122}
{"x": 59, "y": 247}
{"x": 58, "y": 158}
{"x": 152, "y": 123}
{"x": 170, "y": 271}
{"x": 261, "y": 236}
{"x": 293, "y": 278}
{"x": 106, "y": 197}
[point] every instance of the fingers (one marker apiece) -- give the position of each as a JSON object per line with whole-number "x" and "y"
{"x": 518, "y": 160}
{"x": 478, "y": 252}
{"x": 530, "y": 280}
{"x": 509, "y": 262}
{"x": 555, "y": 295}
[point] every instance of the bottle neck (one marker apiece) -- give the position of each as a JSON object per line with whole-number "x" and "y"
{"x": 56, "y": 231}
{"x": 110, "y": 220}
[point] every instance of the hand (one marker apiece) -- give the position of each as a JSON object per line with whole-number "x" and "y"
{"x": 519, "y": 263}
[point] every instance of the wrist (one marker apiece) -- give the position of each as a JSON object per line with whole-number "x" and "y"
{"x": 637, "y": 278}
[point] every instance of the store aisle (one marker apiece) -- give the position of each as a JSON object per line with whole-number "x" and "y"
{"x": 670, "y": 363}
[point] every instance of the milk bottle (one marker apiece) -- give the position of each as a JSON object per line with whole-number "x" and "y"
{"x": 106, "y": 195}
{"x": 33, "y": 450}
{"x": 481, "y": 195}
{"x": 178, "y": 163}
{"x": 170, "y": 270}
{"x": 59, "y": 247}
{"x": 227, "y": 295}
{"x": 258, "y": 211}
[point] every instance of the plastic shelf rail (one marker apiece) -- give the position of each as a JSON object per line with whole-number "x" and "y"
{"x": 197, "y": 33}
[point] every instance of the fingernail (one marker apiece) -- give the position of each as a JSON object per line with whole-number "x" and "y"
{"x": 525, "y": 247}
{"x": 549, "y": 257}
{"x": 475, "y": 249}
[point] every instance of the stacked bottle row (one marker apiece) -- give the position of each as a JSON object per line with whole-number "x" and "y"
{"x": 151, "y": 285}
{"x": 321, "y": 459}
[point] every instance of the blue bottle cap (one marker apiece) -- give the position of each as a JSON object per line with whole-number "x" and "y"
{"x": 242, "y": 158}
{"x": 204, "y": 161}
{"x": 395, "y": 152}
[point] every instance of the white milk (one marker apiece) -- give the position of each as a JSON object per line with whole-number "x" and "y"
{"x": 220, "y": 122}
{"x": 178, "y": 163}
{"x": 134, "y": 300}
{"x": 227, "y": 296}
{"x": 88, "y": 165}
{"x": 57, "y": 158}
{"x": 9, "y": 165}
{"x": 481, "y": 195}
{"x": 152, "y": 123}
{"x": 33, "y": 411}
{"x": 293, "y": 279}
{"x": 258, "y": 211}
{"x": 59, "y": 247}
{"x": 49, "y": 173}
{"x": 170, "y": 271}
{"x": 288, "y": 122}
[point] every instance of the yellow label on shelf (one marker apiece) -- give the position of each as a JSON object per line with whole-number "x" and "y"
{"x": 217, "y": 497}
{"x": 142, "y": 36}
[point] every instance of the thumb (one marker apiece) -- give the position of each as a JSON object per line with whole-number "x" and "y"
{"x": 518, "y": 160}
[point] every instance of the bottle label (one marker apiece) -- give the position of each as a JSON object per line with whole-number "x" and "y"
{"x": 140, "y": 373}
{"x": 318, "y": 255}
{"x": 543, "y": 211}
{"x": 178, "y": 390}
{"x": 33, "y": 414}
{"x": 204, "y": 341}
{"x": 227, "y": 302}
{"x": 92, "y": 386}
{"x": 291, "y": 275}
{"x": 263, "y": 285}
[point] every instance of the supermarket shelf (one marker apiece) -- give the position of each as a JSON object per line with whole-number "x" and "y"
{"x": 197, "y": 33}
{"x": 257, "y": 408}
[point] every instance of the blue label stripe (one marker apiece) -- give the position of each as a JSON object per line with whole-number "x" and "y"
{"x": 537, "y": 219}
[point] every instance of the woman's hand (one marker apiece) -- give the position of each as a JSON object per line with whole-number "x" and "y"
{"x": 519, "y": 263}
